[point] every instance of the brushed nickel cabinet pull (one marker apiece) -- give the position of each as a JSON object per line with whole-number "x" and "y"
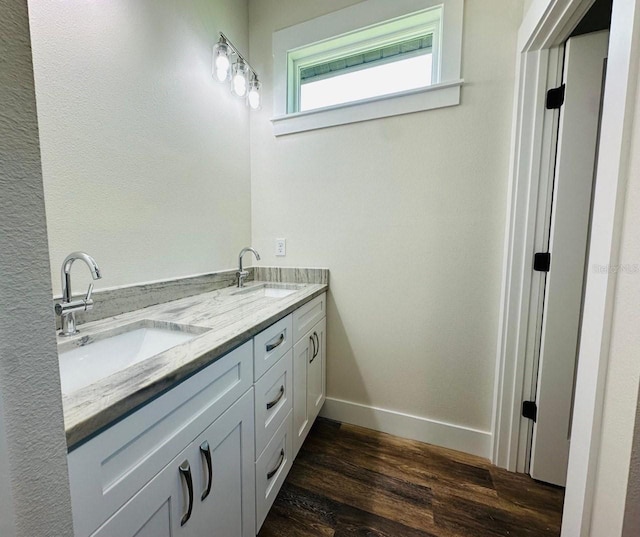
{"x": 315, "y": 350}
{"x": 206, "y": 451}
{"x": 185, "y": 472}
{"x": 280, "y": 341}
{"x": 275, "y": 470}
{"x": 273, "y": 403}
{"x": 313, "y": 343}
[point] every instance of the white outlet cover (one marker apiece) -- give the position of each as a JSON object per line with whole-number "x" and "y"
{"x": 281, "y": 247}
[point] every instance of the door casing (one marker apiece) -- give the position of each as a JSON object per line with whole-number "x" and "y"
{"x": 546, "y": 25}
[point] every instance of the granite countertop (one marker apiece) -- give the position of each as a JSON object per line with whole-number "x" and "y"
{"x": 231, "y": 319}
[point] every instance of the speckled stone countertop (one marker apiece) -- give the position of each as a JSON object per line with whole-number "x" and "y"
{"x": 231, "y": 319}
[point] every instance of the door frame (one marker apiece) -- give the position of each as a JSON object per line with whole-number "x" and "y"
{"x": 546, "y": 25}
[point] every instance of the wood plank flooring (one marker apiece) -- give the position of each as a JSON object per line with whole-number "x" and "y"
{"x": 348, "y": 481}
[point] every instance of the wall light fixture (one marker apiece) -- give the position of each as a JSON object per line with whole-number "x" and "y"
{"x": 243, "y": 77}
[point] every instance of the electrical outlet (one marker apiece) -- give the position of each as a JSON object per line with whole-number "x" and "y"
{"x": 281, "y": 247}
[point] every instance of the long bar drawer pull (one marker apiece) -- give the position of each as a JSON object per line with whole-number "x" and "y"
{"x": 185, "y": 472}
{"x": 275, "y": 470}
{"x": 313, "y": 354}
{"x": 280, "y": 341}
{"x": 273, "y": 403}
{"x": 315, "y": 349}
{"x": 206, "y": 451}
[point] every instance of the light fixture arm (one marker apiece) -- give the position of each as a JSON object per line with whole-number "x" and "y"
{"x": 235, "y": 50}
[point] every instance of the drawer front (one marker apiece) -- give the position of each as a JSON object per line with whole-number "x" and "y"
{"x": 274, "y": 400}
{"x": 109, "y": 469}
{"x": 270, "y": 345}
{"x": 272, "y": 468}
{"x": 308, "y": 315}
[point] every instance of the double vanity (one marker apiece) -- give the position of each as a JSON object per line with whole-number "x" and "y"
{"x": 184, "y": 418}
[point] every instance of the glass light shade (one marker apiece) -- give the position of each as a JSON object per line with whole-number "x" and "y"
{"x": 239, "y": 79}
{"x": 253, "y": 97}
{"x": 221, "y": 62}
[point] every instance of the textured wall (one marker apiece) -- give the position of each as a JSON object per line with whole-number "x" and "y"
{"x": 145, "y": 157}
{"x": 7, "y": 515}
{"x": 408, "y": 213}
{"x": 29, "y": 378}
{"x": 623, "y": 373}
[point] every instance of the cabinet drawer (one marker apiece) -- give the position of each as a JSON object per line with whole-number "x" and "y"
{"x": 108, "y": 470}
{"x": 270, "y": 345}
{"x": 272, "y": 468}
{"x": 306, "y": 316}
{"x": 274, "y": 400}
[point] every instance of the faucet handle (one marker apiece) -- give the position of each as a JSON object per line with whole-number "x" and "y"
{"x": 88, "y": 301}
{"x": 89, "y": 292}
{"x": 84, "y": 304}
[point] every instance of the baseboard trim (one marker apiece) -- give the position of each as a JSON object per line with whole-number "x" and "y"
{"x": 439, "y": 433}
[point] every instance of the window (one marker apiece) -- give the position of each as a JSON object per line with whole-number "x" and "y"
{"x": 374, "y": 59}
{"x": 358, "y": 84}
{"x": 388, "y": 58}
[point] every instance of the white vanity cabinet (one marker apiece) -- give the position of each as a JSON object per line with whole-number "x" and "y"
{"x": 203, "y": 491}
{"x": 133, "y": 478}
{"x": 208, "y": 456}
{"x": 289, "y": 395}
{"x": 309, "y": 378}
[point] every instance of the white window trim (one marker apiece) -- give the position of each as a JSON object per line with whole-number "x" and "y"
{"x": 368, "y": 13}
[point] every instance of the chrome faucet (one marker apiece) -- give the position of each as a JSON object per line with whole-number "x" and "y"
{"x": 242, "y": 274}
{"x": 68, "y": 307}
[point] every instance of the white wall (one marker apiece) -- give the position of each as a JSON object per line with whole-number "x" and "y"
{"x": 31, "y": 409}
{"x": 408, "y": 213}
{"x": 145, "y": 157}
{"x": 623, "y": 374}
{"x": 527, "y": 5}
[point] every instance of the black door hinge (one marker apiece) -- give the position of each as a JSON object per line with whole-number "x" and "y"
{"x": 555, "y": 98}
{"x": 542, "y": 261}
{"x": 530, "y": 410}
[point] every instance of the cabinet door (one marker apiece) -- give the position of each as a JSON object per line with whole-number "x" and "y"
{"x": 302, "y": 353}
{"x": 309, "y": 381}
{"x": 316, "y": 371}
{"x": 225, "y": 481}
{"x": 157, "y": 509}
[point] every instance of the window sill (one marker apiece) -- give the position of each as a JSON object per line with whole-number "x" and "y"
{"x": 429, "y": 98}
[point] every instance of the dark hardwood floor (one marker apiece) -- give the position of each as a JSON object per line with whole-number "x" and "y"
{"x": 350, "y": 481}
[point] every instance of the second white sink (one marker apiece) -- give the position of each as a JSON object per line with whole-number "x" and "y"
{"x": 270, "y": 290}
{"x": 85, "y": 361}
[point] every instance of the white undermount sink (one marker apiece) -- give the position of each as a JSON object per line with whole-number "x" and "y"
{"x": 86, "y": 360}
{"x": 270, "y": 290}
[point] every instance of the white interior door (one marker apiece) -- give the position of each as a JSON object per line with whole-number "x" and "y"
{"x": 577, "y": 145}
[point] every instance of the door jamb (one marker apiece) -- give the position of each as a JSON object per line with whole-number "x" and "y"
{"x": 545, "y": 26}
